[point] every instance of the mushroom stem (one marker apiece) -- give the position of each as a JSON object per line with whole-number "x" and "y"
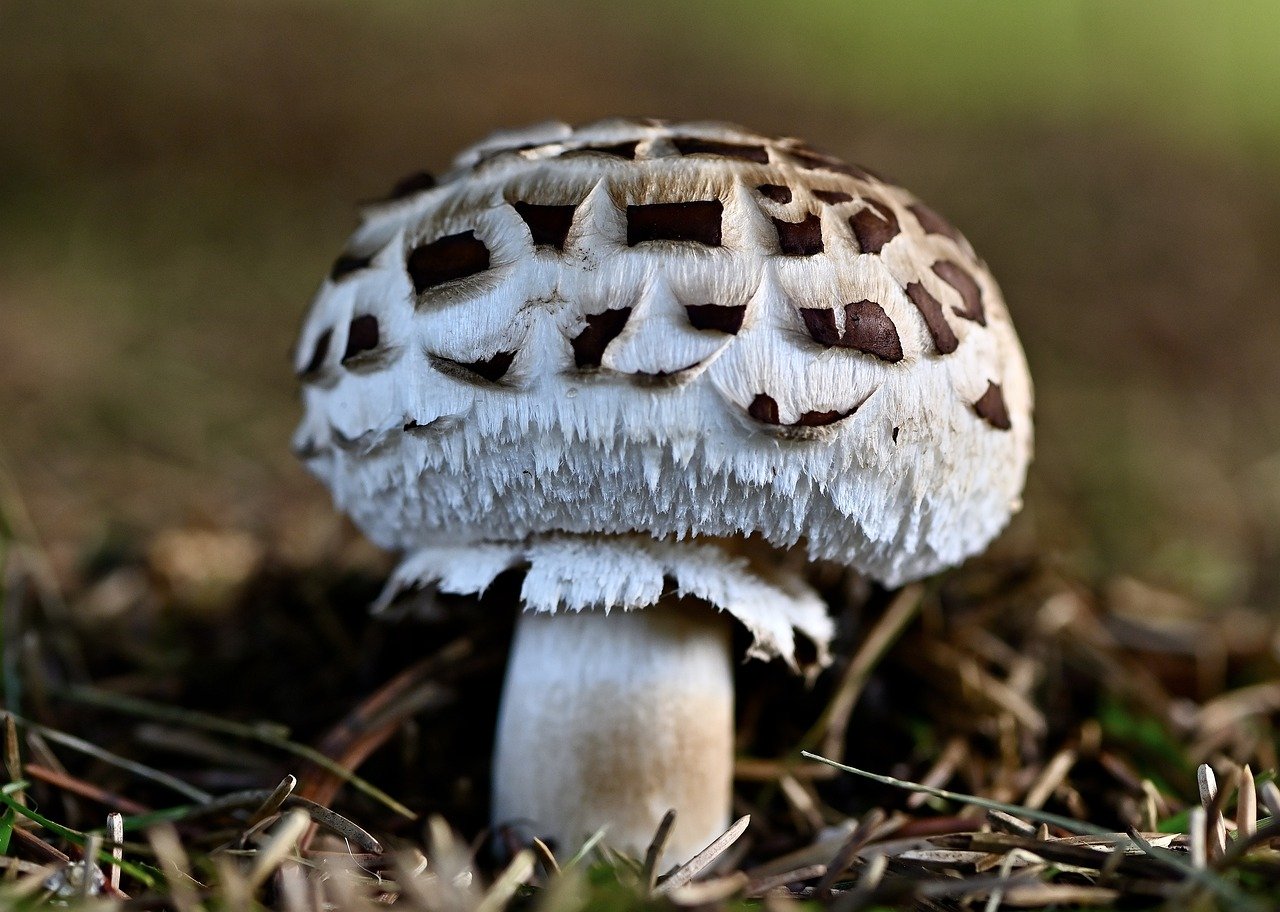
{"x": 608, "y": 720}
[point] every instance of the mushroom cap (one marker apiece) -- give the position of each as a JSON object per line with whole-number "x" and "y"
{"x": 671, "y": 329}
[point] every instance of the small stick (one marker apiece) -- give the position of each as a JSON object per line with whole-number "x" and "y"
{"x": 115, "y": 834}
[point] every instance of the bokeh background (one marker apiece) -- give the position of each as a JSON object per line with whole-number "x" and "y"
{"x": 176, "y": 177}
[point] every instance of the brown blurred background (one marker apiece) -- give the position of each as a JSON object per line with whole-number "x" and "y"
{"x": 175, "y": 178}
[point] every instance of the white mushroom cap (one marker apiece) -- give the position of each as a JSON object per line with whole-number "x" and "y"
{"x": 672, "y": 329}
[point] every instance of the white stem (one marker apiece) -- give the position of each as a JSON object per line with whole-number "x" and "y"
{"x": 612, "y": 720}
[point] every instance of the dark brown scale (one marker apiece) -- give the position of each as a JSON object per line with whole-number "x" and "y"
{"x": 992, "y": 409}
{"x": 819, "y": 419}
{"x": 549, "y": 225}
{"x": 601, "y": 329}
{"x": 411, "y": 184}
{"x": 625, "y": 150}
{"x": 318, "y": 352}
{"x": 874, "y": 226}
{"x": 493, "y": 368}
{"x": 775, "y": 192}
{"x": 944, "y": 337}
{"x": 821, "y": 323}
{"x": 347, "y": 264}
{"x": 932, "y": 223}
{"x": 453, "y": 257}
{"x": 802, "y": 238}
{"x": 818, "y": 161}
{"x": 867, "y": 328}
{"x": 959, "y": 278}
{"x": 832, "y": 196}
{"x": 725, "y": 318}
{"x": 690, "y": 145}
{"x": 696, "y": 222}
{"x": 362, "y": 336}
{"x": 764, "y": 408}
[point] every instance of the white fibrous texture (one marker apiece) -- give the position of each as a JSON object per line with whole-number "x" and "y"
{"x": 681, "y": 330}
{"x": 586, "y": 573}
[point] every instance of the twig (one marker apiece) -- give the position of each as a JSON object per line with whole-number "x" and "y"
{"x": 115, "y": 836}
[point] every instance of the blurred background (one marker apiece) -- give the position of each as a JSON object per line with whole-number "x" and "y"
{"x": 175, "y": 179}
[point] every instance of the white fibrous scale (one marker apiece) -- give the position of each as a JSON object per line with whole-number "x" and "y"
{"x": 628, "y": 573}
{"x": 681, "y": 331}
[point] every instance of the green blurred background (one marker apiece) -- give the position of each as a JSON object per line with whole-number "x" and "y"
{"x": 175, "y": 178}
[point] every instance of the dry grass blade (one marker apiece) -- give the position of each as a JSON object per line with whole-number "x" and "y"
{"x": 587, "y": 848}
{"x": 704, "y": 859}
{"x": 282, "y": 843}
{"x": 1229, "y": 892}
{"x": 996, "y": 898}
{"x": 261, "y": 734}
{"x": 1010, "y": 824}
{"x": 1066, "y": 823}
{"x": 867, "y": 888}
{"x": 863, "y": 833}
{"x": 12, "y": 756}
{"x": 38, "y": 847}
{"x": 1045, "y": 895}
{"x": 1270, "y": 795}
{"x": 173, "y": 861}
{"x": 1198, "y": 843}
{"x": 368, "y": 726}
{"x": 709, "y": 892}
{"x": 834, "y": 725}
{"x": 273, "y": 802}
{"x": 254, "y": 798}
{"x": 507, "y": 883}
{"x": 138, "y": 769}
{"x": 943, "y": 768}
{"x": 83, "y": 789}
{"x": 1051, "y": 777}
{"x": 546, "y": 856}
{"x": 14, "y": 892}
{"x": 761, "y": 885}
{"x": 90, "y": 876}
{"x": 1215, "y": 834}
{"x": 295, "y": 890}
{"x": 658, "y": 845}
{"x": 1207, "y": 879}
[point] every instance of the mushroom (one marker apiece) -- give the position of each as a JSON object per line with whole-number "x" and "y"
{"x": 661, "y": 368}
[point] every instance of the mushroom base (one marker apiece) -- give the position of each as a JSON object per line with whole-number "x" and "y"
{"x": 609, "y": 720}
